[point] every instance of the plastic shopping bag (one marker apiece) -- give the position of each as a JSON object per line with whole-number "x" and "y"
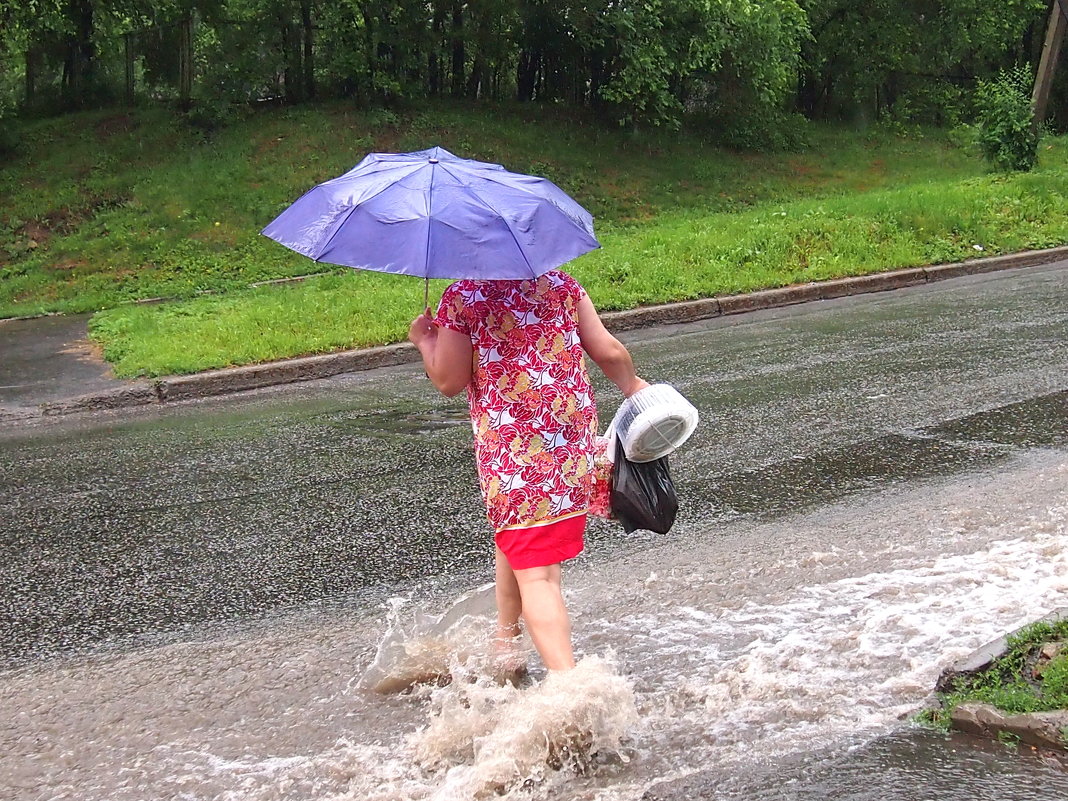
{"x": 643, "y": 494}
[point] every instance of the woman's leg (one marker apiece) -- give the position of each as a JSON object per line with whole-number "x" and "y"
{"x": 509, "y": 601}
{"x": 545, "y": 614}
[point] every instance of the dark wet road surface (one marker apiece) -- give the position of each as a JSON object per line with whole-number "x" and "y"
{"x": 291, "y": 508}
{"x": 344, "y": 490}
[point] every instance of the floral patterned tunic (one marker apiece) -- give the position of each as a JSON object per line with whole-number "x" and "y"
{"x": 532, "y": 408}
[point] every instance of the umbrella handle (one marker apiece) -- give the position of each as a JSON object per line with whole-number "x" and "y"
{"x": 426, "y": 293}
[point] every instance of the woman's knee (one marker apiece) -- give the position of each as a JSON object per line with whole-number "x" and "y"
{"x": 532, "y": 576}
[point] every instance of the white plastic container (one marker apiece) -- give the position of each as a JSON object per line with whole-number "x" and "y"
{"x": 653, "y": 422}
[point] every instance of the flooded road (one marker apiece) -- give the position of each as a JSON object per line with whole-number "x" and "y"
{"x": 879, "y": 485}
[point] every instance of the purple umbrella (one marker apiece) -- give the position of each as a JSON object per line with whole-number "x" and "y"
{"x": 433, "y": 215}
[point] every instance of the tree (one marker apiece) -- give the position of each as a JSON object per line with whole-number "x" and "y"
{"x": 865, "y": 58}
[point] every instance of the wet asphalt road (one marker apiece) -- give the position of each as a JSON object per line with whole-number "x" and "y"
{"x": 127, "y": 527}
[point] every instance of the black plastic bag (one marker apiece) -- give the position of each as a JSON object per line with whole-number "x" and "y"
{"x": 643, "y": 494}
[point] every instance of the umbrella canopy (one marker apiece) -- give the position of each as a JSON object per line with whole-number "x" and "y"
{"x": 433, "y": 215}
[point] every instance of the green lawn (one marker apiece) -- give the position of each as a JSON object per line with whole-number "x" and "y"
{"x": 104, "y": 208}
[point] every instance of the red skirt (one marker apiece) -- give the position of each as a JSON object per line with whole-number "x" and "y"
{"x": 542, "y": 545}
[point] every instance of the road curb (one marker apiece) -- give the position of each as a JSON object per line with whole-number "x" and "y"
{"x": 240, "y": 379}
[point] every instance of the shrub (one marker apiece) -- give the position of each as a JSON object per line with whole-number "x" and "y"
{"x": 1006, "y": 132}
{"x": 9, "y": 139}
{"x": 208, "y": 117}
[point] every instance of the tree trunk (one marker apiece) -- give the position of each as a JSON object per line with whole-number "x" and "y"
{"x": 128, "y": 59}
{"x": 527, "y": 74}
{"x": 596, "y": 79}
{"x": 79, "y": 63}
{"x": 369, "y": 42}
{"x": 1058, "y": 21}
{"x": 291, "y": 72}
{"x": 458, "y": 56}
{"x": 185, "y": 63}
{"x": 476, "y": 83}
{"x": 31, "y": 76}
{"x": 308, "y": 29}
{"x": 435, "y": 83}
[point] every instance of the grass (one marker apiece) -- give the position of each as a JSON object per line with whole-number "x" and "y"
{"x": 101, "y": 209}
{"x": 1009, "y": 684}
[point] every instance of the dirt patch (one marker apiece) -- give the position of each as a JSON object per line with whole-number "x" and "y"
{"x": 386, "y": 140}
{"x": 798, "y": 167}
{"x": 267, "y": 145}
{"x": 220, "y": 238}
{"x": 68, "y": 266}
{"x": 34, "y": 232}
{"x": 85, "y": 350}
{"x": 65, "y": 219}
{"x": 115, "y": 124}
{"x": 62, "y": 220}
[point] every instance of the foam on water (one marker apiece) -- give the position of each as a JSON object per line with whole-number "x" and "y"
{"x": 707, "y": 651}
{"x": 502, "y": 740}
{"x": 820, "y": 657}
{"x": 859, "y": 652}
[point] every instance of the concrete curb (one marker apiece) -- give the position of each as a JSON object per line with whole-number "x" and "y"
{"x": 1040, "y": 729}
{"x": 257, "y": 376}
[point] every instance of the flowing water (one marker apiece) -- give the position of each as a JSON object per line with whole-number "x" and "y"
{"x": 722, "y": 651}
{"x": 197, "y": 603}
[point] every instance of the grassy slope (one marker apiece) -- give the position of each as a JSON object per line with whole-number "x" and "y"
{"x": 126, "y": 206}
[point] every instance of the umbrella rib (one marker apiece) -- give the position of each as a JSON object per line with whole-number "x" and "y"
{"x": 350, "y": 212}
{"x": 429, "y": 220}
{"x": 468, "y": 190}
{"x": 491, "y": 178}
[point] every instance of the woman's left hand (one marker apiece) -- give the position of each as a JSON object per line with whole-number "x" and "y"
{"x": 423, "y": 330}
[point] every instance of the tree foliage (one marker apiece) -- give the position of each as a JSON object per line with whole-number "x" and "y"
{"x": 911, "y": 56}
{"x": 737, "y": 66}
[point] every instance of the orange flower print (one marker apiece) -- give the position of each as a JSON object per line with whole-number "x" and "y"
{"x": 531, "y": 402}
{"x": 500, "y": 324}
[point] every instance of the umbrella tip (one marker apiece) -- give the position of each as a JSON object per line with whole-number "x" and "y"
{"x": 433, "y": 161}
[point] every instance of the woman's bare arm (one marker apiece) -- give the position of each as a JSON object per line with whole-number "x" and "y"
{"x": 446, "y": 354}
{"x": 607, "y": 351}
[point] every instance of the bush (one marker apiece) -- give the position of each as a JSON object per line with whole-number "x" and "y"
{"x": 1006, "y": 130}
{"x": 9, "y": 139}
{"x": 774, "y": 131}
{"x": 208, "y": 117}
{"x": 929, "y": 101}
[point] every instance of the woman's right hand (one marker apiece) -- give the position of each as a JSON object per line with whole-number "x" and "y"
{"x": 607, "y": 351}
{"x": 636, "y": 386}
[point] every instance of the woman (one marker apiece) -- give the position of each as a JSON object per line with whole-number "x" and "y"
{"x": 517, "y": 347}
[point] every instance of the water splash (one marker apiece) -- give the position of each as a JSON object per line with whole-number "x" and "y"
{"x": 422, "y": 648}
{"x": 500, "y": 740}
{"x": 484, "y": 735}
{"x": 743, "y": 645}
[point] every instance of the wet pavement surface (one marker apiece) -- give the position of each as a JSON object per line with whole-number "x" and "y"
{"x": 49, "y": 359}
{"x": 189, "y": 593}
{"x": 905, "y": 766}
{"x": 127, "y": 527}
